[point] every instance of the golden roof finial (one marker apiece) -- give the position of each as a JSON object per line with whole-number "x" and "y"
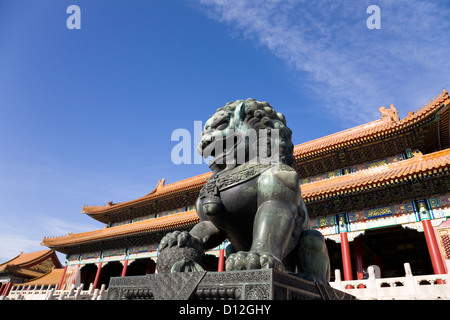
{"x": 389, "y": 114}
{"x": 161, "y": 183}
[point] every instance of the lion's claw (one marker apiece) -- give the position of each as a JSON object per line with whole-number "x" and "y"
{"x": 168, "y": 240}
{"x": 173, "y": 240}
{"x": 253, "y": 260}
{"x": 181, "y": 239}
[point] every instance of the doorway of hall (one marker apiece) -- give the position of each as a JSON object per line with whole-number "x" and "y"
{"x": 388, "y": 248}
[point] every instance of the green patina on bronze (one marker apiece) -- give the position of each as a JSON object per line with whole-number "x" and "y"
{"x": 256, "y": 204}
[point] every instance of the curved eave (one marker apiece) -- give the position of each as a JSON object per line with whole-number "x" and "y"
{"x": 142, "y": 227}
{"x": 163, "y": 192}
{"x": 28, "y": 259}
{"x": 421, "y": 166}
{"x": 50, "y": 278}
{"x": 23, "y": 272}
{"x": 370, "y": 132}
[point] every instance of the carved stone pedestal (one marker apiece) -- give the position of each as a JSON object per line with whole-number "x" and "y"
{"x": 266, "y": 284}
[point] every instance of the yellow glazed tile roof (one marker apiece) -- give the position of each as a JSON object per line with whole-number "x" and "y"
{"x": 25, "y": 259}
{"x": 50, "y": 278}
{"x": 160, "y": 191}
{"x": 141, "y": 227}
{"x": 389, "y": 124}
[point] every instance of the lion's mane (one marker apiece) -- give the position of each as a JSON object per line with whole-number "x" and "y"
{"x": 261, "y": 115}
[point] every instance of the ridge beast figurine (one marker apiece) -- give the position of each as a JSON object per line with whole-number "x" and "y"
{"x": 252, "y": 198}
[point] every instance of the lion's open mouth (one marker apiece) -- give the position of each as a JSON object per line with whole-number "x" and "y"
{"x": 219, "y": 148}
{"x": 207, "y": 146}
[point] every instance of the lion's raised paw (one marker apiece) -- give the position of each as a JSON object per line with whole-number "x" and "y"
{"x": 180, "y": 239}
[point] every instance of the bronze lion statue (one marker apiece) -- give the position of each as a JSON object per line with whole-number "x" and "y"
{"x": 252, "y": 198}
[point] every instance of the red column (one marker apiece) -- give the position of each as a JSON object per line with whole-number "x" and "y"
{"x": 1, "y": 287}
{"x": 124, "y": 269}
{"x": 6, "y": 289}
{"x": 433, "y": 247}
{"x": 379, "y": 263}
{"x": 346, "y": 260}
{"x": 98, "y": 275}
{"x": 359, "y": 257}
{"x": 62, "y": 278}
{"x": 221, "y": 266}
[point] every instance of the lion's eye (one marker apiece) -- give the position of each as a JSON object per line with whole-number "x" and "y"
{"x": 222, "y": 126}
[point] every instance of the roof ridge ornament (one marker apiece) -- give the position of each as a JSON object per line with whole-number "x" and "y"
{"x": 160, "y": 183}
{"x": 417, "y": 155}
{"x": 159, "y": 186}
{"x": 390, "y": 114}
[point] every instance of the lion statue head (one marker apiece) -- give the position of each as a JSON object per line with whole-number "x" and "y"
{"x": 246, "y": 131}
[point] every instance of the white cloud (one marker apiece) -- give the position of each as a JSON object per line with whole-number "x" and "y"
{"x": 15, "y": 239}
{"x": 59, "y": 227}
{"x": 14, "y": 244}
{"x": 27, "y": 236}
{"x": 355, "y": 70}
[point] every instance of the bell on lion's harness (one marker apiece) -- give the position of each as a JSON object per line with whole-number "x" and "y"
{"x": 212, "y": 205}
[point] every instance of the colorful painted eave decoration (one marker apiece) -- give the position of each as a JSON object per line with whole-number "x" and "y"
{"x": 420, "y": 166}
{"x": 143, "y": 227}
{"x": 161, "y": 191}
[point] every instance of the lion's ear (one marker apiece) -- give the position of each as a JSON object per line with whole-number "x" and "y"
{"x": 241, "y": 108}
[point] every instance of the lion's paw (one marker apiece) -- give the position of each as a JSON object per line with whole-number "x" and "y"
{"x": 253, "y": 260}
{"x": 180, "y": 239}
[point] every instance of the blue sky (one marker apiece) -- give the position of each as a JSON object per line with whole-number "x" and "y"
{"x": 86, "y": 115}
